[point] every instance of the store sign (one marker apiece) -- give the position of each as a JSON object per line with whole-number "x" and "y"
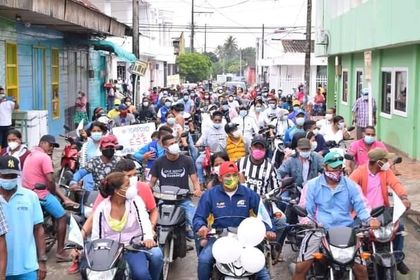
{"x": 138, "y": 68}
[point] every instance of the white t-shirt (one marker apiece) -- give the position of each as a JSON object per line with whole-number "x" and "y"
{"x": 329, "y": 134}
{"x": 6, "y": 110}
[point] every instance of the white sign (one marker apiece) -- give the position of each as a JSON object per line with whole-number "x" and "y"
{"x": 174, "y": 80}
{"x": 138, "y": 68}
{"x": 133, "y": 137}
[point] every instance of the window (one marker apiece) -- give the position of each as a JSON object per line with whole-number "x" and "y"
{"x": 12, "y": 79}
{"x": 386, "y": 92}
{"x": 400, "y": 94}
{"x": 55, "y": 81}
{"x": 359, "y": 82}
{"x": 394, "y": 92}
{"x": 345, "y": 86}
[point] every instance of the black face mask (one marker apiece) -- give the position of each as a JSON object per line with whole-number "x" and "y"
{"x": 109, "y": 153}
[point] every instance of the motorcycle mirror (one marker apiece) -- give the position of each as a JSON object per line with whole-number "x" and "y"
{"x": 300, "y": 211}
{"x": 349, "y": 157}
{"x": 376, "y": 212}
{"x": 398, "y": 160}
{"x": 351, "y": 128}
{"x": 119, "y": 147}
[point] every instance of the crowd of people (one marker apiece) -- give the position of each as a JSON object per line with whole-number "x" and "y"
{"x": 229, "y": 147}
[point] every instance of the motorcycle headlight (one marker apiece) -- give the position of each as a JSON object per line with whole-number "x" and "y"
{"x": 342, "y": 255}
{"x": 383, "y": 234}
{"x": 100, "y": 275}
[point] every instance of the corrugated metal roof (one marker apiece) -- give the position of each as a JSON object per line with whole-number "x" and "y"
{"x": 296, "y": 46}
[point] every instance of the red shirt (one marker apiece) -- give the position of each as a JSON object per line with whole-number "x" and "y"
{"x": 143, "y": 190}
{"x": 360, "y": 151}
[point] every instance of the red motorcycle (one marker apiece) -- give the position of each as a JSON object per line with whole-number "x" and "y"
{"x": 69, "y": 161}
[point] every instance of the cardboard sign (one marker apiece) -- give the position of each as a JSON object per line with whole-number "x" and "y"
{"x": 133, "y": 137}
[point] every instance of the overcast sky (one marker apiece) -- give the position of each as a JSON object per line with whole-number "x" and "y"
{"x": 238, "y": 13}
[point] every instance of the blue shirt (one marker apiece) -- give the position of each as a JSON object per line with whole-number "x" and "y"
{"x": 333, "y": 207}
{"x": 227, "y": 211}
{"x": 188, "y": 105}
{"x": 153, "y": 146}
{"x": 22, "y": 213}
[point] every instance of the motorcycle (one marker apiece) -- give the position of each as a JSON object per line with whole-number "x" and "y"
{"x": 69, "y": 161}
{"x": 339, "y": 248}
{"x": 172, "y": 225}
{"x": 384, "y": 258}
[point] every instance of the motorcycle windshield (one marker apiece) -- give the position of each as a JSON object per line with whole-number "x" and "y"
{"x": 386, "y": 216}
{"x": 341, "y": 237}
{"x": 102, "y": 254}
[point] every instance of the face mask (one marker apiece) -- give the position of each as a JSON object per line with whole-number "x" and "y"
{"x": 258, "y": 109}
{"x": 13, "y": 145}
{"x": 186, "y": 98}
{"x": 108, "y": 153}
{"x": 8, "y": 184}
{"x": 236, "y": 134}
{"x": 341, "y": 125}
{"x": 2, "y": 96}
{"x": 96, "y": 136}
{"x": 316, "y": 131}
{"x": 167, "y": 104}
{"x": 258, "y": 154}
{"x": 176, "y": 98}
{"x": 216, "y": 170}
{"x": 328, "y": 117}
{"x": 145, "y": 104}
{"x": 305, "y": 154}
{"x": 300, "y": 121}
{"x": 132, "y": 190}
{"x": 365, "y": 97}
{"x": 296, "y": 108}
{"x": 225, "y": 107}
{"x": 231, "y": 183}
{"x": 314, "y": 145}
{"x": 385, "y": 166}
{"x": 334, "y": 175}
{"x": 217, "y": 125}
{"x": 272, "y": 106}
{"x": 243, "y": 113}
{"x": 369, "y": 139}
{"x": 174, "y": 149}
{"x": 128, "y": 103}
{"x": 171, "y": 121}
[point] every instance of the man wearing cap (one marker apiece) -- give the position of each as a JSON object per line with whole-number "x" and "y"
{"x": 329, "y": 199}
{"x": 112, "y": 114}
{"x": 26, "y": 257}
{"x": 361, "y": 112}
{"x": 38, "y": 169}
{"x": 99, "y": 166}
{"x": 374, "y": 178}
{"x": 124, "y": 117}
{"x": 235, "y": 145}
{"x": 299, "y": 121}
{"x": 229, "y": 204}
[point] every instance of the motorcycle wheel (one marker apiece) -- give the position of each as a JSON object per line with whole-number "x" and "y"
{"x": 166, "y": 259}
{"x": 390, "y": 273}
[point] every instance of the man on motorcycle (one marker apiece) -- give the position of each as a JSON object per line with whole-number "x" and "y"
{"x": 25, "y": 240}
{"x": 38, "y": 169}
{"x": 329, "y": 200}
{"x": 299, "y": 121}
{"x": 146, "y": 112}
{"x": 228, "y": 204}
{"x": 374, "y": 179}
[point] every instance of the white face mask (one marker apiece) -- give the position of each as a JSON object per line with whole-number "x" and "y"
{"x": 273, "y": 106}
{"x": 316, "y": 131}
{"x": 174, "y": 149}
{"x": 243, "y": 113}
{"x": 386, "y": 166}
{"x": 341, "y": 125}
{"x": 216, "y": 170}
{"x": 305, "y": 154}
{"x": 13, "y": 145}
{"x": 171, "y": 121}
{"x": 131, "y": 191}
{"x": 314, "y": 145}
{"x": 328, "y": 117}
{"x": 300, "y": 121}
{"x": 236, "y": 134}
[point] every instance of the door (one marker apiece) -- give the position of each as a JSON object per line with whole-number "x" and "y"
{"x": 39, "y": 79}
{"x": 72, "y": 88}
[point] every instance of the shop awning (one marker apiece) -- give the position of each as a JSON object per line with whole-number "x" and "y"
{"x": 111, "y": 47}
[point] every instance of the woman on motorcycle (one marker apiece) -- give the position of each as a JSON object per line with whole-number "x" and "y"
{"x": 336, "y": 131}
{"x": 15, "y": 147}
{"x": 216, "y": 160}
{"x": 90, "y": 148}
{"x": 121, "y": 217}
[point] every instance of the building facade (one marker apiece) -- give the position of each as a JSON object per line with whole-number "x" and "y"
{"x": 388, "y": 30}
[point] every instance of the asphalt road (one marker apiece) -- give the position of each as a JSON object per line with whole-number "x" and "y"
{"x": 185, "y": 269}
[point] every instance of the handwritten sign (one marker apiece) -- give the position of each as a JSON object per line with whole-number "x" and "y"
{"x": 133, "y": 137}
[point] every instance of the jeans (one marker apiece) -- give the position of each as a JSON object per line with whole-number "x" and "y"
{"x": 155, "y": 258}
{"x": 280, "y": 228}
{"x": 199, "y": 168}
{"x": 398, "y": 244}
{"x": 206, "y": 261}
{"x": 137, "y": 261}
{"x": 189, "y": 209}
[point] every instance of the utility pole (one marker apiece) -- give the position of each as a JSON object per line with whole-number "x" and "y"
{"x": 262, "y": 54}
{"x": 136, "y": 51}
{"x": 308, "y": 50}
{"x": 205, "y": 38}
{"x": 240, "y": 63}
{"x": 192, "y": 26}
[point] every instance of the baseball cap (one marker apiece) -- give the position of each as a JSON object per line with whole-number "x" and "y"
{"x": 109, "y": 141}
{"x": 229, "y": 127}
{"x": 333, "y": 159}
{"x": 50, "y": 139}
{"x": 378, "y": 154}
{"x": 304, "y": 143}
{"x": 123, "y": 107}
{"x": 9, "y": 165}
{"x": 117, "y": 102}
{"x": 259, "y": 139}
{"x": 296, "y": 103}
{"x": 228, "y": 167}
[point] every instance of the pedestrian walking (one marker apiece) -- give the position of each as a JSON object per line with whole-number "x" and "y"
{"x": 361, "y": 113}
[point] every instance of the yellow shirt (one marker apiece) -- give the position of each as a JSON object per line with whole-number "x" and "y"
{"x": 235, "y": 148}
{"x": 113, "y": 114}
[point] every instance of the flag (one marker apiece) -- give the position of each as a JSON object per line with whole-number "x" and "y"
{"x": 75, "y": 235}
{"x": 263, "y": 214}
{"x": 399, "y": 207}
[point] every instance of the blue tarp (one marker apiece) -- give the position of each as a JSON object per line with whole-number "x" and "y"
{"x": 114, "y": 48}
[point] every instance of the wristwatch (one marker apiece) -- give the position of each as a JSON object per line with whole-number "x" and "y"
{"x": 43, "y": 258}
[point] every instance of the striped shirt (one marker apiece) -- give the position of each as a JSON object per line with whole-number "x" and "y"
{"x": 3, "y": 224}
{"x": 361, "y": 108}
{"x": 261, "y": 178}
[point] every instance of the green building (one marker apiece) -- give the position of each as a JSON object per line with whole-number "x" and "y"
{"x": 346, "y": 29}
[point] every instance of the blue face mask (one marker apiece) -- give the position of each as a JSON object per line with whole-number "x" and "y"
{"x": 96, "y": 136}
{"x": 369, "y": 139}
{"x": 8, "y": 184}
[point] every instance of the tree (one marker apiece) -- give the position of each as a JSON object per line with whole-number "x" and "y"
{"x": 212, "y": 56}
{"x": 194, "y": 67}
{"x": 230, "y": 48}
{"x": 248, "y": 54}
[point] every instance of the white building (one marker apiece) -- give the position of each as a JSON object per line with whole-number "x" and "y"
{"x": 284, "y": 63}
{"x": 155, "y": 41}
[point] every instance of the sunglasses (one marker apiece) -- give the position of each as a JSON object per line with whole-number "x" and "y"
{"x": 334, "y": 160}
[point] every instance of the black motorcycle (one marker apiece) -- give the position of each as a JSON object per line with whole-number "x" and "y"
{"x": 172, "y": 224}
